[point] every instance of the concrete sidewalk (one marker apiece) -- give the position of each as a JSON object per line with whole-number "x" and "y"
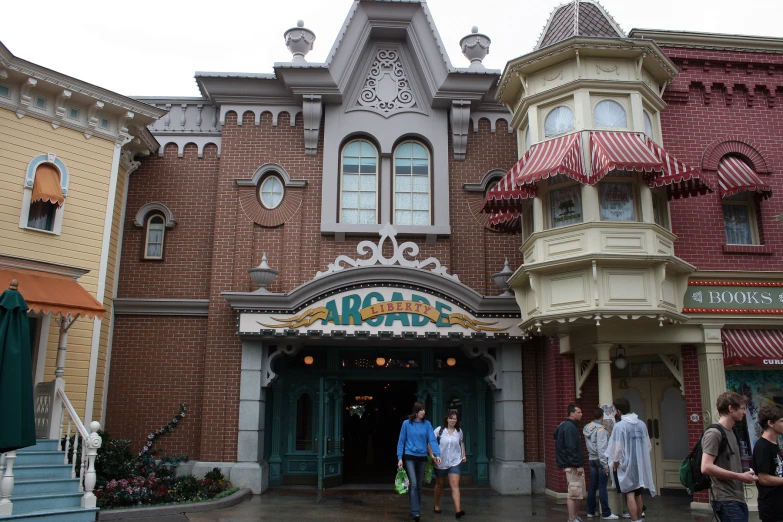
{"x": 484, "y": 506}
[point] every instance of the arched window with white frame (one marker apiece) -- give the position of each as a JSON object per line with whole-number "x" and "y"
{"x": 609, "y": 113}
{"x": 411, "y": 185}
{"x": 559, "y": 121}
{"x": 359, "y": 183}
{"x": 154, "y": 236}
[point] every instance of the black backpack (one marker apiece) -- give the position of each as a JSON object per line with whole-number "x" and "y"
{"x": 690, "y": 469}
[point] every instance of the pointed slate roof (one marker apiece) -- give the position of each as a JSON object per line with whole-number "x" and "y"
{"x": 578, "y": 18}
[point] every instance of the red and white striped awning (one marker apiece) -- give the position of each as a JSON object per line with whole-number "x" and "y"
{"x": 561, "y": 155}
{"x": 507, "y": 220}
{"x": 752, "y": 347}
{"x": 736, "y": 176}
{"x": 680, "y": 179}
{"x": 508, "y": 193}
{"x": 621, "y": 151}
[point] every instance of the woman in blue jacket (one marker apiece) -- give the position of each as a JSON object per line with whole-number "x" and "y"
{"x": 415, "y": 434}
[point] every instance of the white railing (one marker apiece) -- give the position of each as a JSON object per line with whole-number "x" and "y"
{"x": 84, "y": 449}
{"x": 90, "y": 442}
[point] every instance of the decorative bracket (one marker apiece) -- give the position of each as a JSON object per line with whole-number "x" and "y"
{"x": 267, "y": 375}
{"x": 493, "y": 377}
{"x": 311, "y": 110}
{"x": 583, "y": 368}
{"x": 123, "y": 136}
{"x": 460, "y": 121}
{"x": 673, "y": 362}
{"x": 59, "y": 107}
{"x": 92, "y": 118}
{"x": 26, "y": 98}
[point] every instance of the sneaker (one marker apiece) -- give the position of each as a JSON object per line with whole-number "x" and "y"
{"x": 626, "y": 515}
{"x": 591, "y": 515}
{"x": 611, "y": 517}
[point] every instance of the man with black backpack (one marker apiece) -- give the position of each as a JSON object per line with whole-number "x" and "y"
{"x": 721, "y": 461}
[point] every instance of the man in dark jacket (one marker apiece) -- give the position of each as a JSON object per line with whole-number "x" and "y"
{"x": 571, "y": 457}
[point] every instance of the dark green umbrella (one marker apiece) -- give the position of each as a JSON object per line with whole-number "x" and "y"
{"x": 17, "y": 429}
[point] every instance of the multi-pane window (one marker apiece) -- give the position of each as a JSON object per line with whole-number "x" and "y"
{"x": 411, "y": 184}
{"x": 609, "y": 113}
{"x": 359, "y": 183}
{"x": 739, "y": 219}
{"x": 271, "y": 192}
{"x": 156, "y": 229}
{"x": 560, "y": 120}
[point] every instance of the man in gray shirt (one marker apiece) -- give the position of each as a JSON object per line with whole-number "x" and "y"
{"x": 724, "y": 467}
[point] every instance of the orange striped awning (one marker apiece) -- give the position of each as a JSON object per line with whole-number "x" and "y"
{"x": 47, "y": 185}
{"x": 52, "y": 293}
{"x": 734, "y": 176}
{"x": 508, "y": 193}
{"x": 621, "y": 151}
{"x": 752, "y": 347}
{"x": 680, "y": 179}
{"x": 507, "y": 220}
{"x": 554, "y": 157}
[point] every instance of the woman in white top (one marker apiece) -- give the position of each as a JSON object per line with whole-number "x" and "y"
{"x": 452, "y": 455}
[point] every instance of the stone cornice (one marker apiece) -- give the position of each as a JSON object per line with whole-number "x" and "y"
{"x": 714, "y": 41}
{"x": 51, "y": 268}
{"x": 567, "y": 49}
{"x": 31, "y": 70}
{"x": 131, "y": 306}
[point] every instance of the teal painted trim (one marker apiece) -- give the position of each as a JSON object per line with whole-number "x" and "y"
{"x": 44, "y": 158}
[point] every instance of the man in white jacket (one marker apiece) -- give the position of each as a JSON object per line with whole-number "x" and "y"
{"x": 596, "y": 441}
{"x": 628, "y": 452}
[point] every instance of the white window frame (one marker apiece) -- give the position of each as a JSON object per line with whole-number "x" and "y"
{"x": 556, "y": 183}
{"x": 27, "y": 194}
{"x": 568, "y": 104}
{"x": 622, "y": 101}
{"x": 623, "y": 177}
{"x": 340, "y": 209}
{"x": 429, "y": 184}
{"x": 9, "y": 90}
{"x": 45, "y": 103}
{"x": 648, "y": 115}
{"x": 753, "y": 217}
{"x": 147, "y": 224}
{"x": 266, "y": 180}
{"x": 663, "y": 209}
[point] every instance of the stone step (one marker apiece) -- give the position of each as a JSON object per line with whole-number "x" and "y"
{"x": 27, "y": 472}
{"x": 44, "y": 486}
{"x": 41, "y": 445}
{"x": 56, "y": 515}
{"x": 33, "y": 503}
{"x": 32, "y": 458}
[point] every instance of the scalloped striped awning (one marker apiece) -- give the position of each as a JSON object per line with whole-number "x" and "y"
{"x": 621, "y": 151}
{"x": 507, "y": 220}
{"x": 752, "y": 347}
{"x": 550, "y": 158}
{"x": 734, "y": 176}
{"x": 681, "y": 180}
{"x": 508, "y": 193}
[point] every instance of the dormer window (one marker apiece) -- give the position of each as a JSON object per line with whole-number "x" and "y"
{"x": 559, "y": 121}
{"x": 610, "y": 114}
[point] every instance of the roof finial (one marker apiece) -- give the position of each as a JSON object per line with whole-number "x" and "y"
{"x": 475, "y": 47}
{"x": 299, "y": 41}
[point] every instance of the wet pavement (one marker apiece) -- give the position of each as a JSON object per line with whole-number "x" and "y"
{"x": 480, "y": 505}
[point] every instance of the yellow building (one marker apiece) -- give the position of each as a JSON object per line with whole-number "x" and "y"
{"x": 66, "y": 151}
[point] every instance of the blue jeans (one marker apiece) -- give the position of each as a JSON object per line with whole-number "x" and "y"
{"x": 415, "y": 471}
{"x": 730, "y": 511}
{"x": 598, "y": 481}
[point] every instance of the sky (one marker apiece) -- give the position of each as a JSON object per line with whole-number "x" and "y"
{"x": 146, "y": 48}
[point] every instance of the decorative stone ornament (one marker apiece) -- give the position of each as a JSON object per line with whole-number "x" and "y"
{"x": 263, "y": 275}
{"x": 501, "y": 279}
{"x": 299, "y": 41}
{"x": 475, "y": 47}
{"x": 386, "y": 88}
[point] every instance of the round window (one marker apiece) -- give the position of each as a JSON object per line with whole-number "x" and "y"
{"x": 560, "y": 120}
{"x": 271, "y": 192}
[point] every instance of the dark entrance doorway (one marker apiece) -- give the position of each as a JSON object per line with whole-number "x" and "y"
{"x": 371, "y": 438}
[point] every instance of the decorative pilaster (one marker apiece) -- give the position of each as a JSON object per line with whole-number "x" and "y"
{"x": 275, "y": 462}
{"x": 312, "y": 109}
{"x": 712, "y": 375}
{"x": 460, "y": 121}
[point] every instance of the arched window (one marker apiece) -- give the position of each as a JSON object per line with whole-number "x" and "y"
{"x": 527, "y": 138}
{"x": 558, "y": 121}
{"x": 304, "y": 423}
{"x": 359, "y": 183}
{"x": 271, "y": 192}
{"x": 46, "y": 199}
{"x": 648, "y": 126}
{"x": 740, "y": 212}
{"x": 156, "y": 230}
{"x": 411, "y": 184}
{"x": 609, "y": 113}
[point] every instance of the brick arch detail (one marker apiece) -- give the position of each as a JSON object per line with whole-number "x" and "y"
{"x": 733, "y": 145}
